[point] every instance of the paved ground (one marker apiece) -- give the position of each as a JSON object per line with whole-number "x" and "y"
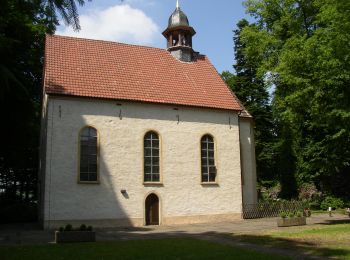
{"x": 31, "y": 234}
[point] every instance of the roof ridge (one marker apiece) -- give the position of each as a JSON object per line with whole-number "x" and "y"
{"x": 105, "y": 41}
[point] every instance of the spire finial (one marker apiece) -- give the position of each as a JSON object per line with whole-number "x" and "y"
{"x": 177, "y": 4}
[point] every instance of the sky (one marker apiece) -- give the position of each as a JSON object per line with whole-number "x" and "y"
{"x": 142, "y": 22}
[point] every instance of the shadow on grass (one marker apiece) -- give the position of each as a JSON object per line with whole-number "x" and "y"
{"x": 260, "y": 243}
{"x": 170, "y": 248}
{"x": 297, "y": 248}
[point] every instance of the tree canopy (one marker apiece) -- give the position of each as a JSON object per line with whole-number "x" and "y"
{"x": 302, "y": 49}
{"x": 252, "y": 91}
{"x": 23, "y": 25}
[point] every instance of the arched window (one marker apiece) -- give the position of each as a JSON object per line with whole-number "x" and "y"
{"x": 88, "y": 155}
{"x": 151, "y": 157}
{"x": 208, "y": 159}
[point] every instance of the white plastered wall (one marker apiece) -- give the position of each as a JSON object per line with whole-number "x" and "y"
{"x": 121, "y": 128}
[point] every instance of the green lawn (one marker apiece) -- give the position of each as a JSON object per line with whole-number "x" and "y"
{"x": 321, "y": 240}
{"x": 177, "y": 248}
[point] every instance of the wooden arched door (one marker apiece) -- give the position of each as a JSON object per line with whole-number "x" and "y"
{"x": 152, "y": 209}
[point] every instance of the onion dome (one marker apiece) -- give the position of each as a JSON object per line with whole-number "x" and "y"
{"x": 178, "y": 18}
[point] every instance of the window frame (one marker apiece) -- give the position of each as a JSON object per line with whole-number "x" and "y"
{"x": 97, "y": 156}
{"x": 216, "y": 182}
{"x": 152, "y": 183}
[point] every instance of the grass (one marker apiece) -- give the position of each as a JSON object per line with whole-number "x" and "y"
{"x": 176, "y": 248}
{"x": 320, "y": 240}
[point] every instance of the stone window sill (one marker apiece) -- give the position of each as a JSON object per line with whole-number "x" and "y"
{"x": 209, "y": 184}
{"x": 89, "y": 182}
{"x": 153, "y": 184}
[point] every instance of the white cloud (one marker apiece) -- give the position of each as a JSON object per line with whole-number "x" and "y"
{"x": 141, "y": 2}
{"x": 120, "y": 23}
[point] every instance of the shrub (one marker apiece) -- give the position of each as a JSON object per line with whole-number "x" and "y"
{"x": 291, "y": 214}
{"x": 61, "y": 229}
{"x": 347, "y": 203}
{"x": 83, "y": 227}
{"x": 283, "y": 214}
{"x": 68, "y": 227}
{"x": 315, "y": 203}
{"x": 308, "y": 192}
{"x": 89, "y": 228}
{"x": 271, "y": 193}
{"x": 333, "y": 202}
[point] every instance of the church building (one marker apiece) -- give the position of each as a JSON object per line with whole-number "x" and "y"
{"x": 134, "y": 135}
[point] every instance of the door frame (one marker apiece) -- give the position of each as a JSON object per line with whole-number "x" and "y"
{"x": 159, "y": 207}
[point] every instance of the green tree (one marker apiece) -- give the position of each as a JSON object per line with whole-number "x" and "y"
{"x": 22, "y": 33}
{"x": 23, "y": 25}
{"x": 304, "y": 48}
{"x": 67, "y": 9}
{"x": 252, "y": 92}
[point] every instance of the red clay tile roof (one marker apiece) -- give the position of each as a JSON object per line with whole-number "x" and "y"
{"x": 101, "y": 69}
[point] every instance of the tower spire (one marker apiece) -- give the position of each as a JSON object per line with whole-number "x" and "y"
{"x": 179, "y": 35}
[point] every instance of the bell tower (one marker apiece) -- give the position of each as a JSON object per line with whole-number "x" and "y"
{"x": 179, "y": 35}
